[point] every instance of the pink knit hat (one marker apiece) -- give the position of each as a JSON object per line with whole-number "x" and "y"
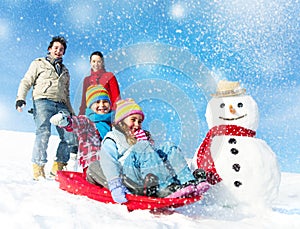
{"x": 126, "y": 108}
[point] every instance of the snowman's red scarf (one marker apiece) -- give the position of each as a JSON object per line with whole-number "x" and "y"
{"x": 204, "y": 159}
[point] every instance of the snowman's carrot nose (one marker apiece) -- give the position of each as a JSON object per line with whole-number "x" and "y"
{"x": 231, "y": 109}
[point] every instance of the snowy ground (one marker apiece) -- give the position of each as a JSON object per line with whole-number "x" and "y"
{"x": 25, "y": 203}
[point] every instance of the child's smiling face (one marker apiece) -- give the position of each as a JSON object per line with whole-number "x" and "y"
{"x": 101, "y": 107}
{"x": 134, "y": 122}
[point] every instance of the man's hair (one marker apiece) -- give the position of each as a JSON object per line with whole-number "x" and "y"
{"x": 59, "y": 39}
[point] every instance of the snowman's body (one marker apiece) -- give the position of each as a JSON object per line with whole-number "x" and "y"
{"x": 248, "y": 169}
{"x": 247, "y": 165}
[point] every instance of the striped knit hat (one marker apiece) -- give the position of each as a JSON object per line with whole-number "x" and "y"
{"x": 126, "y": 108}
{"x": 95, "y": 93}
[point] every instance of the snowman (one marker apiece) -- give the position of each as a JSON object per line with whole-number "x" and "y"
{"x": 242, "y": 168}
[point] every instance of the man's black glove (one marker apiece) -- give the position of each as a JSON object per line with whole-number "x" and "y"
{"x": 20, "y": 103}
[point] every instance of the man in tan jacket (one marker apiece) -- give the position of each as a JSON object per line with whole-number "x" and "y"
{"x": 50, "y": 80}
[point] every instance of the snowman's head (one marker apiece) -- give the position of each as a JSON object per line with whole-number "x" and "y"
{"x": 239, "y": 110}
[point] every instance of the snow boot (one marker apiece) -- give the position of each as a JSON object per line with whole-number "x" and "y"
{"x": 169, "y": 190}
{"x": 191, "y": 188}
{"x": 57, "y": 166}
{"x": 184, "y": 191}
{"x": 151, "y": 185}
{"x": 200, "y": 175}
{"x": 201, "y": 188}
{"x": 38, "y": 172}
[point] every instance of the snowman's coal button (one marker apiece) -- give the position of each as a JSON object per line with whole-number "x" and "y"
{"x": 234, "y": 151}
{"x": 236, "y": 167}
{"x": 237, "y": 183}
{"x": 232, "y": 141}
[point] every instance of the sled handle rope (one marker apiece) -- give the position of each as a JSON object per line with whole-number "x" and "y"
{"x": 168, "y": 165}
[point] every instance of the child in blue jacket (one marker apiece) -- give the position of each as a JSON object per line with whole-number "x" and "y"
{"x": 129, "y": 160}
{"x": 90, "y": 128}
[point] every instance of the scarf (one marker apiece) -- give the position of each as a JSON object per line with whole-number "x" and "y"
{"x": 204, "y": 159}
{"x": 102, "y": 121}
{"x": 96, "y": 76}
{"x": 57, "y": 63}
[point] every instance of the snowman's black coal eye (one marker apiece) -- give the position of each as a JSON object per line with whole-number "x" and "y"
{"x": 240, "y": 105}
{"x": 222, "y": 105}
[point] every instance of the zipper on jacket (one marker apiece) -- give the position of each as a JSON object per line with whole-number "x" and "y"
{"x": 48, "y": 87}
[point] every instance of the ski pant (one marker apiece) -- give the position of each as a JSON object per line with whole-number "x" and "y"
{"x": 96, "y": 176}
{"x": 165, "y": 162}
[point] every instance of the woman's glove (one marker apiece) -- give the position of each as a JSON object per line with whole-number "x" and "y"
{"x": 118, "y": 190}
{"x": 60, "y": 119}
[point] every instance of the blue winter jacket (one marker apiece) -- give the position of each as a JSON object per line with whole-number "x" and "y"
{"x": 118, "y": 157}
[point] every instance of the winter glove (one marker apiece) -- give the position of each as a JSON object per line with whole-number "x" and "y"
{"x": 140, "y": 135}
{"x": 60, "y": 119}
{"x": 20, "y": 103}
{"x": 118, "y": 190}
{"x": 143, "y": 135}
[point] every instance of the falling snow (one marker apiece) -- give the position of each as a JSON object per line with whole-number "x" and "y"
{"x": 186, "y": 45}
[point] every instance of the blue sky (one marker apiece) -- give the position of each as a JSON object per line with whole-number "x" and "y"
{"x": 168, "y": 55}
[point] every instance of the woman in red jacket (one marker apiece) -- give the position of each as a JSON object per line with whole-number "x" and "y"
{"x": 100, "y": 76}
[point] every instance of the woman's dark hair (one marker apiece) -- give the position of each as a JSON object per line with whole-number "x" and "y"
{"x": 97, "y": 53}
{"x": 59, "y": 39}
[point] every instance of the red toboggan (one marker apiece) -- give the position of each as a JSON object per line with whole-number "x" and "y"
{"x": 75, "y": 183}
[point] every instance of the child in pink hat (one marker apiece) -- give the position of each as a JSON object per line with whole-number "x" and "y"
{"x": 129, "y": 161}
